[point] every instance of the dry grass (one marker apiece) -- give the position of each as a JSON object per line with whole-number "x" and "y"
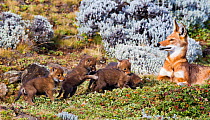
{"x": 54, "y": 16}
{"x": 71, "y": 15}
{"x": 95, "y": 52}
{"x": 72, "y": 2}
{"x": 27, "y": 16}
{"x": 23, "y": 48}
{"x": 7, "y": 53}
{"x": 12, "y": 5}
{"x": 70, "y": 43}
{"x": 54, "y": 9}
{"x": 73, "y": 31}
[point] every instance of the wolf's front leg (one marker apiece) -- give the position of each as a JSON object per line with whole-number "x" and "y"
{"x": 50, "y": 95}
{"x": 181, "y": 77}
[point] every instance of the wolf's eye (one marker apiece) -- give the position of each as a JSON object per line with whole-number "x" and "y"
{"x": 171, "y": 40}
{"x": 59, "y": 75}
{"x": 125, "y": 69}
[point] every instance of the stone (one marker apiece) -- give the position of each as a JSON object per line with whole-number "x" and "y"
{"x": 33, "y": 71}
{"x": 3, "y": 89}
{"x": 12, "y": 76}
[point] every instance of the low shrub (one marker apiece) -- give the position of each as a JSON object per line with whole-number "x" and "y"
{"x": 156, "y": 100}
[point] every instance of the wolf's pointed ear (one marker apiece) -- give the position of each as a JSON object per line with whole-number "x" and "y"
{"x": 182, "y": 31}
{"x": 176, "y": 27}
{"x": 119, "y": 60}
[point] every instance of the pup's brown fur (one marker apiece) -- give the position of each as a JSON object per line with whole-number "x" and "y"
{"x": 110, "y": 77}
{"x": 123, "y": 65}
{"x": 176, "y": 67}
{"x": 134, "y": 81}
{"x": 77, "y": 76}
{"x": 41, "y": 85}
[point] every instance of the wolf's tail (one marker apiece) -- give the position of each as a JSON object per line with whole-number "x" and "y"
{"x": 21, "y": 91}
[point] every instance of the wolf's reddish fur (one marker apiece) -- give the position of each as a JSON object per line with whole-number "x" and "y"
{"x": 41, "y": 85}
{"x": 176, "y": 67}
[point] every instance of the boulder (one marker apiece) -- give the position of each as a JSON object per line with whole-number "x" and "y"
{"x": 12, "y": 76}
{"x": 3, "y": 89}
{"x": 33, "y": 71}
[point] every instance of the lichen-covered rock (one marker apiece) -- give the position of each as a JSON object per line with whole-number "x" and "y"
{"x": 3, "y": 89}
{"x": 67, "y": 116}
{"x": 12, "y": 76}
{"x": 22, "y": 115}
{"x": 33, "y": 71}
{"x": 17, "y": 112}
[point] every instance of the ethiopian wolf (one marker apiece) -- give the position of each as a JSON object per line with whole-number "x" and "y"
{"x": 176, "y": 67}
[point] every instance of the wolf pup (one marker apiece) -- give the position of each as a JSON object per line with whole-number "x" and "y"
{"x": 123, "y": 65}
{"x": 77, "y": 76}
{"x": 134, "y": 81}
{"x": 101, "y": 62}
{"x": 41, "y": 85}
{"x": 109, "y": 78}
{"x": 176, "y": 67}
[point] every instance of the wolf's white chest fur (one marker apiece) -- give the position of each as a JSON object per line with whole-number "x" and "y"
{"x": 176, "y": 52}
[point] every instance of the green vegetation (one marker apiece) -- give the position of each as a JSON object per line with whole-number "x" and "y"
{"x": 155, "y": 98}
{"x": 200, "y": 34}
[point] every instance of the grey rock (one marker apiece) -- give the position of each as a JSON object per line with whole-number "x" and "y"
{"x": 3, "y": 89}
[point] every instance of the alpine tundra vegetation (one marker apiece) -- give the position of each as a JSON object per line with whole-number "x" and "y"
{"x": 38, "y": 34}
